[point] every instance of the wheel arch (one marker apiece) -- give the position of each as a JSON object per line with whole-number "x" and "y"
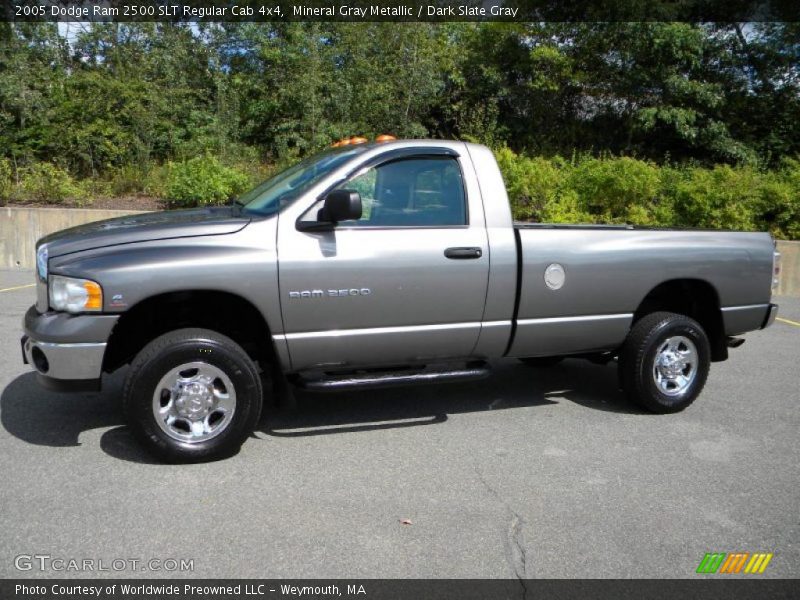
{"x": 695, "y": 298}
{"x": 225, "y": 312}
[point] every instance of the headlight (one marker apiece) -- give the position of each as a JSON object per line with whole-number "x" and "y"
{"x": 75, "y": 295}
{"x": 41, "y": 262}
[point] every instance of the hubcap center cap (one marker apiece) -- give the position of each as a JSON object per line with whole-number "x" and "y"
{"x": 670, "y": 365}
{"x": 194, "y": 400}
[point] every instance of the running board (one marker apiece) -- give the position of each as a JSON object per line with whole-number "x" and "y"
{"x": 374, "y": 380}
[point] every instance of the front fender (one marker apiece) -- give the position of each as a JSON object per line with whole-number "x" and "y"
{"x": 244, "y": 263}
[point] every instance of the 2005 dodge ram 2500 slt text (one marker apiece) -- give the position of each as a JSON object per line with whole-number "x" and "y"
{"x": 369, "y": 265}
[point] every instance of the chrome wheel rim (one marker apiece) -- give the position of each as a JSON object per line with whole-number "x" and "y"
{"x": 194, "y": 402}
{"x": 675, "y": 365}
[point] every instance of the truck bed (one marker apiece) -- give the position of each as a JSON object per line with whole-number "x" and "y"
{"x": 610, "y": 269}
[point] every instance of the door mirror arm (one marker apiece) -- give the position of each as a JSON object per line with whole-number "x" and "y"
{"x": 339, "y": 205}
{"x": 312, "y": 226}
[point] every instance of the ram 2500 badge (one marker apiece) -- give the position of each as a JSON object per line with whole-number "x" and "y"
{"x": 376, "y": 264}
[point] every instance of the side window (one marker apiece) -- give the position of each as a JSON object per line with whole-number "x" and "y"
{"x": 364, "y": 184}
{"x": 416, "y": 192}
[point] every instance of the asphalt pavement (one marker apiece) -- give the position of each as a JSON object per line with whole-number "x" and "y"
{"x": 530, "y": 473}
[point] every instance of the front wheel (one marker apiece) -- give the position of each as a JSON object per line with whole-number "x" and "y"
{"x": 664, "y": 362}
{"x": 192, "y": 395}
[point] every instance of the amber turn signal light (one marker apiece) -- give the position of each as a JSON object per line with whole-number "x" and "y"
{"x": 94, "y": 296}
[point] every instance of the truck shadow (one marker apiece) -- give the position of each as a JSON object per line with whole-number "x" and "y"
{"x": 43, "y": 418}
{"x": 511, "y": 385}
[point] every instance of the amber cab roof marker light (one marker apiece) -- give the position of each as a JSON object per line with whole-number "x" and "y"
{"x": 358, "y": 139}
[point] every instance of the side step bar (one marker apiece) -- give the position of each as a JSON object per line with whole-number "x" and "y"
{"x": 374, "y": 380}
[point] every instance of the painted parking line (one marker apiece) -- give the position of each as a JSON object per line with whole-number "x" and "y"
{"x": 782, "y": 320}
{"x": 18, "y": 287}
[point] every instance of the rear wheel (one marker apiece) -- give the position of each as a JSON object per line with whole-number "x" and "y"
{"x": 664, "y": 362}
{"x": 192, "y": 395}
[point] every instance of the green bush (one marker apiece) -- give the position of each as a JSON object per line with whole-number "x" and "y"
{"x": 96, "y": 188}
{"x": 127, "y": 179}
{"x": 534, "y": 185}
{"x": 779, "y": 209}
{"x": 155, "y": 184}
{"x": 202, "y": 181}
{"x": 718, "y": 198}
{"x": 47, "y": 183}
{"x": 6, "y": 180}
{"x": 584, "y": 190}
{"x": 628, "y": 190}
{"x": 620, "y": 190}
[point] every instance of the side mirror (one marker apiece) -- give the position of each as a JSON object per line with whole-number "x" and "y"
{"x": 341, "y": 205}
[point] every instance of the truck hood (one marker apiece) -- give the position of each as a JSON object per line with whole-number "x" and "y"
{"x": 145, "y": 227}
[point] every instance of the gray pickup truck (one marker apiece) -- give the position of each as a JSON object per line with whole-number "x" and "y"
{"x": 376, "y": 264}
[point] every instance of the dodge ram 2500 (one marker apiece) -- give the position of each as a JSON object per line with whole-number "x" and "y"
{"x": 376, "y": 264}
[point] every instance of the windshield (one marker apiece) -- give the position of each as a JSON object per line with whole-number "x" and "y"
{"x": 285, "y": 187}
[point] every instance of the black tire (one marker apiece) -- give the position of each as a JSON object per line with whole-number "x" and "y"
{"x": 170, "y": 351}
{"x": 637, "y": 361}
{"x": 542, "y": 362}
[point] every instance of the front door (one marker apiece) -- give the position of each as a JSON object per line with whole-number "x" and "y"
{"x": 405, "y": 283}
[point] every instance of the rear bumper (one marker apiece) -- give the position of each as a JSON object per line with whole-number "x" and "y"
{"x": 771, "y": 315}
{"x": 740, "y": 319}
{"x": 66, "y": 351}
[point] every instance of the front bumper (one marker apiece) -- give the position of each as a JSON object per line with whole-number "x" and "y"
{"x": 66, "y": 350}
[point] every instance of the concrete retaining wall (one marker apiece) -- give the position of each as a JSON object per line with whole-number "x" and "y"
{"x": 21, "y": 227}
{"x": 790, "y": 269}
